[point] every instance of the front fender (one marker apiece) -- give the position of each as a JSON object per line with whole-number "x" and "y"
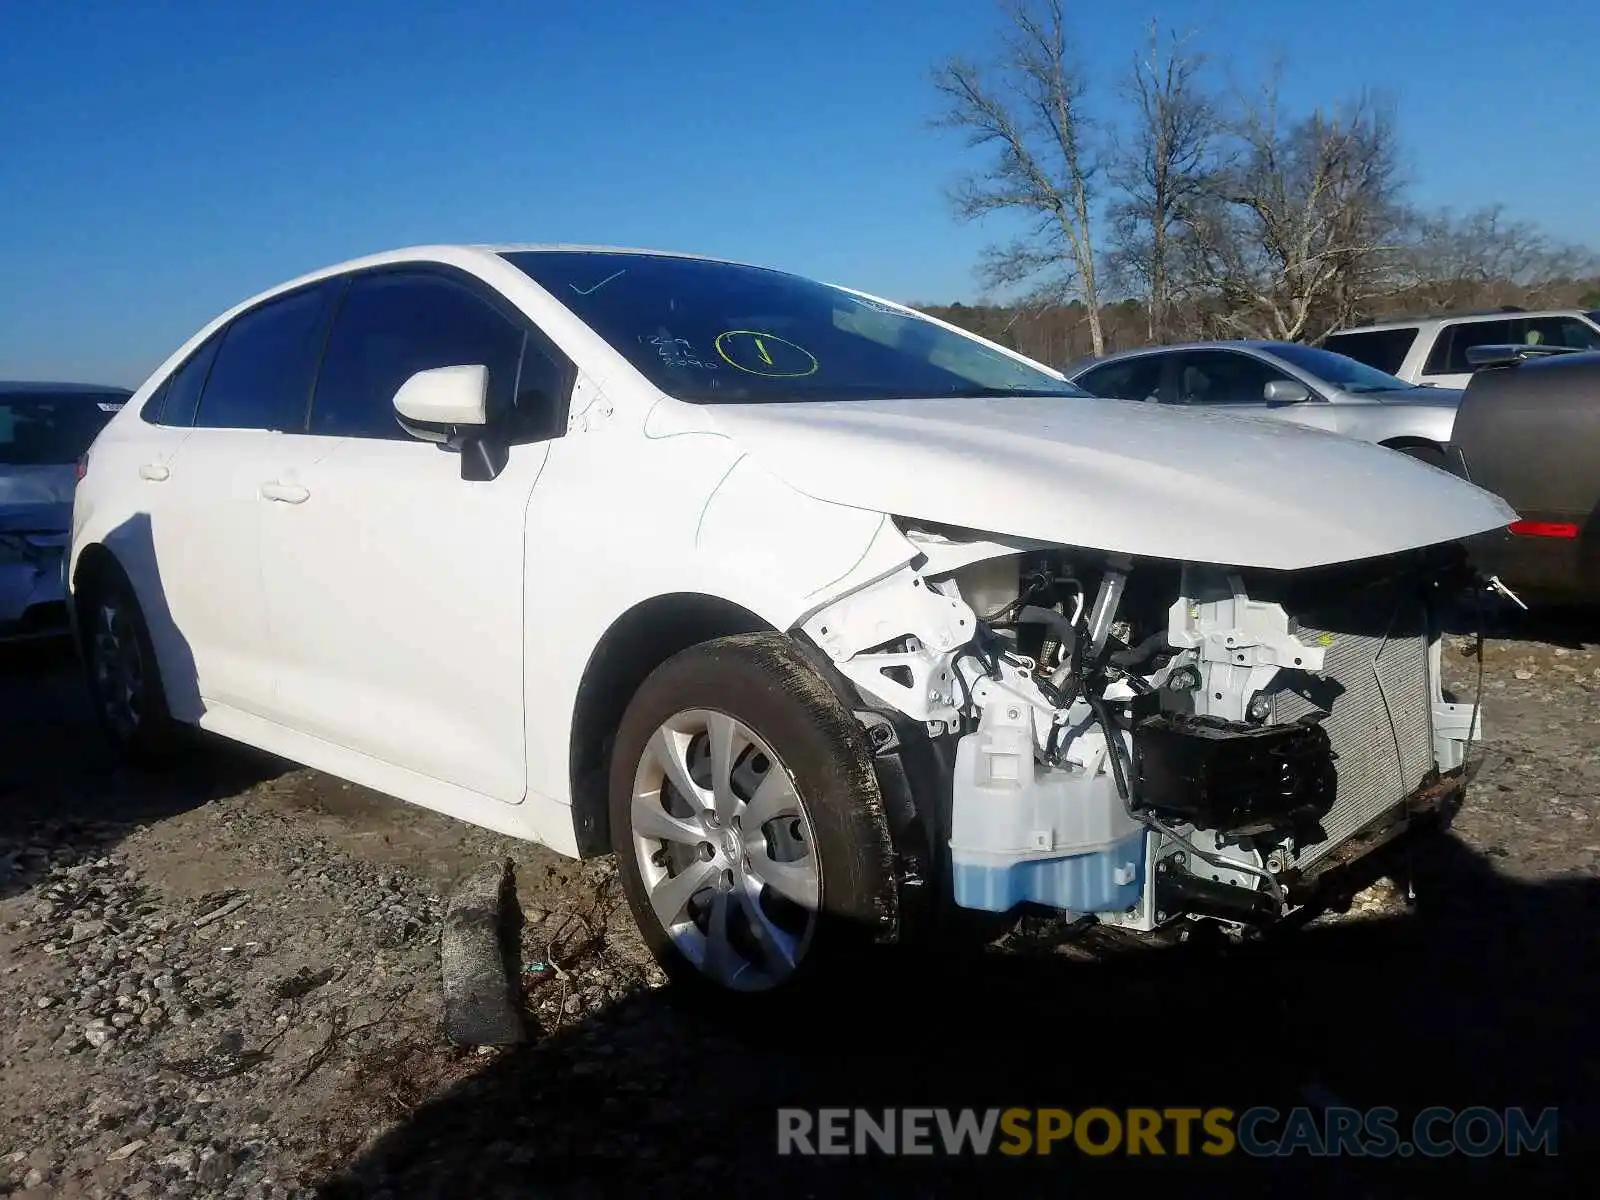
{"x": 753, "y": 542}
{"x": 1400, "y": 424}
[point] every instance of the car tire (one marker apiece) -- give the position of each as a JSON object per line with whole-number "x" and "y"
{"x": 124, "y": 679}
{"x": 741, "y": 916}
{"x": 1426, "y": 452}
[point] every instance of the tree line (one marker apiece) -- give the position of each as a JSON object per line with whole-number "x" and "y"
{"x": 1168, "y": 208}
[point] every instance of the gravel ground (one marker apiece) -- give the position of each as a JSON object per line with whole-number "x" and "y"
{"x": 225, "y": 983}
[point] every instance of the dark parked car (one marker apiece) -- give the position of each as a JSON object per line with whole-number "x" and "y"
{"x": 44, "y": 429}
{"x": 1528, "y": 429}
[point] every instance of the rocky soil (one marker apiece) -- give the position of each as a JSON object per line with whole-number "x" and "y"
{"x": 225, "y": 983}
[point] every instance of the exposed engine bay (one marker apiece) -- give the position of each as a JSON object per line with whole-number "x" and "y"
{"x": 1140, "y": 742}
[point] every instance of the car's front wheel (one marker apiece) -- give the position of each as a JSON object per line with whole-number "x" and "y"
{"x": 1427, "y": 452}
{"x": 747, "y": 822}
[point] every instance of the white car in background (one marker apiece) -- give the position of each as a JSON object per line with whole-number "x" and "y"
{"x": 1433, "y": 350}
{"x": 827, "y": 617}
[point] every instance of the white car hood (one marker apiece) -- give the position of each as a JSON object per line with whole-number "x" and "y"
{"x": 1119, "y": 476}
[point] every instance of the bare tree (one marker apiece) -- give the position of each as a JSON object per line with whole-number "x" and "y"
{"x": 1027, "y": 108}
{"x": 1164, "y": 173}
{"x": 1294, "y": 234}
{"x": 1485, "y": 257}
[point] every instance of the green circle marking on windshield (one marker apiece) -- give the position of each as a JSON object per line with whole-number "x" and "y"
{"x": 763, "y": 354}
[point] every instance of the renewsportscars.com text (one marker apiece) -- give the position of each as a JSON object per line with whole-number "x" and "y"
{"x": 1212, "y": 1132}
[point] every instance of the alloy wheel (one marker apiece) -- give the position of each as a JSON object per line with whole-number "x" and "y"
{"x": 726, "y": 850}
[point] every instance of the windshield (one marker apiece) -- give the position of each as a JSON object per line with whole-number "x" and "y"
{"x": 1341, "y": 371}
{"x": 717, "y": 333}
{"x": 39, "y": 429}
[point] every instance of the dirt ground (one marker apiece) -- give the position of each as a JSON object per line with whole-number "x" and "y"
{"x": 225, "y": 983}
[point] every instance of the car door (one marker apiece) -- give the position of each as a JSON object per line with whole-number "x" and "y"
{"x": 394, "y": 586}
{"x": 208, "y": 537}
{"x": 1236, "y": 381}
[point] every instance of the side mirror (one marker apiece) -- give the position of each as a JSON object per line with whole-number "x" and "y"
{"x": 1285, "y": 391}
{"x": 445, "y": 396}
{"x": 450, "y": 406}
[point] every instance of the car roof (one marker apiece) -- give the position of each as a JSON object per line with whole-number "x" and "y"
{"x": 28, "y": 387}
{"x": 458, "y": 254}
{"x": 582, "y": 248}
{"x": 1463, "y": 319}
{"x": 1261, "y": 345}
{"x": 452, "y": 251}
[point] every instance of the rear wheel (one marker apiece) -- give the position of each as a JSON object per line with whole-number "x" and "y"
{"x": 124, "y": 679}
{"x": 747, "y": 823}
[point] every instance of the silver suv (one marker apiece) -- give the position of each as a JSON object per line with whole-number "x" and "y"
{"x": 1433, "y": 350}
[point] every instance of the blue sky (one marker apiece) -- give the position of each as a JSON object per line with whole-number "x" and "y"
{"x": 159, "y": 162}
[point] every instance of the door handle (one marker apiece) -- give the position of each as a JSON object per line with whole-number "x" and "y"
{"x": 154, "y": 472}
{"x": 287, "y": 493}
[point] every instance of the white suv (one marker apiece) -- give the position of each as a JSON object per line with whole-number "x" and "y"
{"x": 825, "y": 616}
{"x": 1433, "y": 350}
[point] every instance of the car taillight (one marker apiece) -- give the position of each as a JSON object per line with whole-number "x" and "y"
{"x": 1549, "y": 529}
{"x": 83, "y": 465}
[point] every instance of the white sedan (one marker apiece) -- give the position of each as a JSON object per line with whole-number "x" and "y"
{"x": 829, "y": 619}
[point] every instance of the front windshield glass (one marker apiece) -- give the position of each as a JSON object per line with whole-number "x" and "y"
{"x": 1342, "y": 372}
{"x": 42, "y": 429}
{"x": 717, "y": 333}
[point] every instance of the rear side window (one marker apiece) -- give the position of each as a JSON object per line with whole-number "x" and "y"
{"x": 1449, "y": 355}
{"x": 1385, "y": 349}
{"x": 391, "y": 326}
{"x": 261, "y": 378}
{"x": 1135, "y": 379}
{"x": 178, "y": 398}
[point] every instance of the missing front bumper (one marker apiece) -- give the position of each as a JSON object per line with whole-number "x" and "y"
{"x": 1430, "y": 807}
{"x": 1336, "y": 874}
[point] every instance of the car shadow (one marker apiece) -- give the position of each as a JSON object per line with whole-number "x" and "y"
{"x": 1481, "y": 994}
{"x": 1571, "y": 625}
{"x": 64, "y": 796}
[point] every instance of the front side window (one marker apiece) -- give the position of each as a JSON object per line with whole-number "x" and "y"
{"x": 262, "y": 374}
{"x": 1559, "y": 332}
{"x": 1567, "y": 332}
{"x": 719, "y": 333}
{"x": 1223, "y": 377}
{"x": 47, "y": 429}
{"x": 391, "y": 326}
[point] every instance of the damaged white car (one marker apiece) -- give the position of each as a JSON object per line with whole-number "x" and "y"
{"x": 831, "y": 620}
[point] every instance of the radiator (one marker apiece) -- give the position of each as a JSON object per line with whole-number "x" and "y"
{"x": 1378, "y": 701}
